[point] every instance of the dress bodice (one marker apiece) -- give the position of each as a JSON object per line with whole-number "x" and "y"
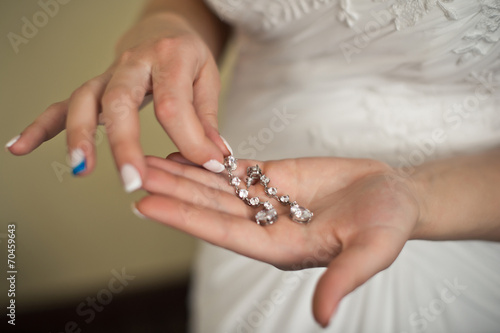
{"x": 365, "y": 78}
{"x": 403, "y": 81}
{"x": 420, "y": 39}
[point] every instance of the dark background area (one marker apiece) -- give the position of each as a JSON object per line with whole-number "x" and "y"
{"x": 159, "y": 309}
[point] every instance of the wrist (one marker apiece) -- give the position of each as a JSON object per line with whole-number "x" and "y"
{"x": 180, "y": 20}
{"x": 152, "y": 27}
{"x": 418, "y": 188}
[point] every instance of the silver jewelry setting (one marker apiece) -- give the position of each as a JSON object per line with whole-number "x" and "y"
{"x": 268, "y": 215}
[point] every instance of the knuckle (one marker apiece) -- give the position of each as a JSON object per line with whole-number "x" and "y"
{"x": 186, "y": 213}
{"x": 184, "y": 44}
{"x": 114, "y": 95}
{"x": 122, "y": 95}
{"x": 166, "y": 44}
{"x": 95, "y": 83}
{"x": 56, "y": 107}
{"x": 85, "y": 89}
{"x": 127, "y": 56}
{"x": 199, "y": 198}
{"x": 168, "y": 108}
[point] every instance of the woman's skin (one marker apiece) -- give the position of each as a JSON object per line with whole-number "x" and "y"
{"x": 364, "y": 210}
{"x": 170, "y": 53}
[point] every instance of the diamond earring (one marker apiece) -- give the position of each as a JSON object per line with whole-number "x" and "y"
{"x": 268, "y": 215}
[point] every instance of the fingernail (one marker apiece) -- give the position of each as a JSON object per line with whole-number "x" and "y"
{"x": 214, "y": 166}
{"x": 137, "y": 212}
{"x": 227, "y": 145}
{"x": 78, "y": 161}
{"x": 131, "y": 178}
{"x": 12, "y": 141}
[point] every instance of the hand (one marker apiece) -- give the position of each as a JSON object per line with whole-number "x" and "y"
{"x": 162, "y": 56}
{"x": 362, "y": 216}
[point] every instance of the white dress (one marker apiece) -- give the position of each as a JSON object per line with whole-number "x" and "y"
{"x": 403, "y": 81}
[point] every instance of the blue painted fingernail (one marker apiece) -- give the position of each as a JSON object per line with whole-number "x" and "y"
{"x": 78, "y": 161}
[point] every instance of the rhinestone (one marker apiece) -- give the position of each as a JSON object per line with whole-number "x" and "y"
{"x": 271, "y": 191}
{"x": 268, "y": 205}
{"x": 264, "y": 180}
{"x": 253, "y": 201}
{"x": 230, "y": 163}
{"x": 266, "y": 217}
{"x": 235, "y": 181}
{"x": 254, "y": 172}
{"x": 284, "y": 199}
{"x": 250, "y": 181}
{"x": 242, "y": 193}
{"x": 300, "y": 214}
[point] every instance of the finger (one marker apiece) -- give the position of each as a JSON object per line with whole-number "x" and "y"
{"x": 199, "y": 174}
{"x": 206, "y": 91}
{"x": 173, "y": 99}
{"x": 354, "y": 266}
{"x": 188, "y": 171}
{"x": 120, "y": 103}
{"x": 187, "y": 190}
{"x": 219, "y": 228}
{"x": 81, "y": 124}
{"x": 177, "y": 157}
{"x": 50, "y": 123}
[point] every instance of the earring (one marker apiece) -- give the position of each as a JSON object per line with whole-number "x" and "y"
{"x": 268, "y": 215}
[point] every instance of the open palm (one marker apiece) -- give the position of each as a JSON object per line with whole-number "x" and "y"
{"x": 362, "y": 216}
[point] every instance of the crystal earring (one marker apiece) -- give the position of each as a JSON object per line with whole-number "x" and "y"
{"x": 268, "y": 215}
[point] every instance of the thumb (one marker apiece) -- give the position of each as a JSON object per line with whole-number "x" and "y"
{"x": 357, "y": 263}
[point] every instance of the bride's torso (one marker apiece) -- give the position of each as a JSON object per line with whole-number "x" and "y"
{"x": 404, "y": 81}
{"x": 362, "y": 78}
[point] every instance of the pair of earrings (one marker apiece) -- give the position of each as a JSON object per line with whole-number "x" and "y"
{"x": 268, "y": 215}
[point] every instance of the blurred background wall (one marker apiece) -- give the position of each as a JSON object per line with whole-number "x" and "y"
{"x": 72, "y": 232}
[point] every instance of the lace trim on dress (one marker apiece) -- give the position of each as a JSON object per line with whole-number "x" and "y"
{"x": 484, "y": 35}
{"x": 480, "y": 40}
{"x": 409, "y": 12}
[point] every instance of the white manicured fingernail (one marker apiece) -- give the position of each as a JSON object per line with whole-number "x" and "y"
{"x": 78, "y": 161}
{"x": 137, "y": 212}
{"x": 214, "y": 166}
{"x": 131, "y": 178}
{"x": 227, "y": 145}
{"x": 12, "y": 141}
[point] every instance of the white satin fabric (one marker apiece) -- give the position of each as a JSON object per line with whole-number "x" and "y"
{"x": 401, "y": 81}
